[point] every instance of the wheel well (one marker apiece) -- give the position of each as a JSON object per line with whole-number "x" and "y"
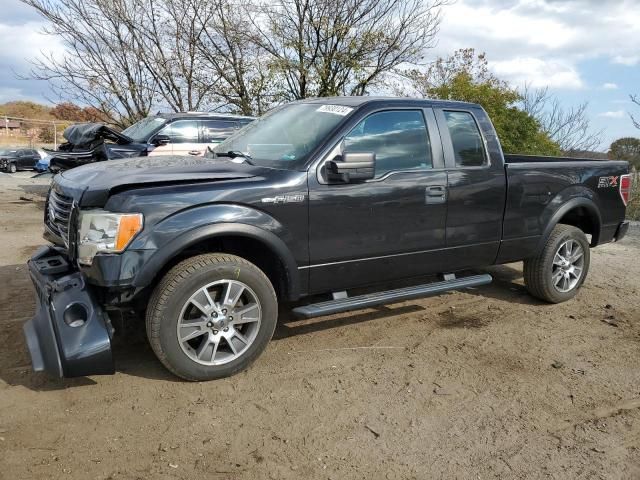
{"x": 582, "y": 218}
{"x": 248, "y": 248}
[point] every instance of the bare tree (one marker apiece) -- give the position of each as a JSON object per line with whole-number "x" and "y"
{"x": 127, "y": 57}
{"x": 568, "y": 127}
{"x": 101, "y": 69}
{"x": 226, "y": 45}
{"x": 165, "y": 36}
{"x": 635, "y": 99}
{"x": 343, "y": 47}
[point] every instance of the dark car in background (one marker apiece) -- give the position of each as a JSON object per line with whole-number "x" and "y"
{"x": 162, "y": 134}
{"x": 14, "y": 159}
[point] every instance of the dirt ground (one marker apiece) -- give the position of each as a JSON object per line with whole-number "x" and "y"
{"x": 485, "y": 383}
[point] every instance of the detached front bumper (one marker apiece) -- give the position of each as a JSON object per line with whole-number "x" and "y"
{"x": 70, "y": 335}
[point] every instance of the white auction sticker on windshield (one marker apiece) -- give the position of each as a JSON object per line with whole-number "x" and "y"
{"x": 337, "y": 109}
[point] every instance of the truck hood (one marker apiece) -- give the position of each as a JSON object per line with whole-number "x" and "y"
{"x": 98, "y": 180}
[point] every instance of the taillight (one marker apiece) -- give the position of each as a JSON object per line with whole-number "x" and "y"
{"x": 625, "y": 188}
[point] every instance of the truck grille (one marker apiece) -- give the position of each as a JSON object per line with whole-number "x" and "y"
{"x": 59, "y": 209}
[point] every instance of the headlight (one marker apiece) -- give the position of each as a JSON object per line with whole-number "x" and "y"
{"x": 101, "y": 231}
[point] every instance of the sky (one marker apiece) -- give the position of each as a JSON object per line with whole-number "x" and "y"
{"x": 583, "y": 50}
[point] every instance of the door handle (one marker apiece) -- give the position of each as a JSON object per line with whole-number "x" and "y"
{"x": 194, "y": 152}
{"x": 435, "y": 194}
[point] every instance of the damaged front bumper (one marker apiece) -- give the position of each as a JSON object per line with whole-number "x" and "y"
{"x": 70, "y": 335}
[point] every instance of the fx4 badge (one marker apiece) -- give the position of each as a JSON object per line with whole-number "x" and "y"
{"x": 290, "y": 198}
{"x": 604, "y": 182}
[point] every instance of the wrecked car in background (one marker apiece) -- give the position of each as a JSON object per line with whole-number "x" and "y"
{"x": 92, "y": 142}
{"x": 163, "y": 134}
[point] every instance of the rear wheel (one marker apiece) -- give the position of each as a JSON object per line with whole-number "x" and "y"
{"x": 211, "y": 316}
{"x": 556, "y": 274}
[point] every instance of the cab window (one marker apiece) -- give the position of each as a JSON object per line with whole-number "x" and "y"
{"x": 468, "y": 146}
{"x": 399, "y": 138}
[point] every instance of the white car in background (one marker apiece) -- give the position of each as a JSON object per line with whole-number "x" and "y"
{"x": 184, "y": 133}
{"x": 189, "y": 133}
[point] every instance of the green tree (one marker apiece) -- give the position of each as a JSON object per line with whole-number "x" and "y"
{"x": 464, "y": 76}
{"x": 518, "y": 131}
{"x": 627, "y": 148}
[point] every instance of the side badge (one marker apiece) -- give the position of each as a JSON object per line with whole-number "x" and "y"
{"x": 604, "y": 182}
{"x": 290, "y": 198}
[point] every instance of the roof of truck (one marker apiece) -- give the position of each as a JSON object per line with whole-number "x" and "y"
{"x": 361, "y": 100}
{"x": 174, "y": 115}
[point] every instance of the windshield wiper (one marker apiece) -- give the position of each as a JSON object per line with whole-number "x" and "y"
{"x": 235, "y": 154}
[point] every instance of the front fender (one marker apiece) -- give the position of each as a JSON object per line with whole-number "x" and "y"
{"x": 186, "y": 228}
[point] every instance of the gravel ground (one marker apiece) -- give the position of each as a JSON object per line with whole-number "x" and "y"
{"x": 485, "y": 383}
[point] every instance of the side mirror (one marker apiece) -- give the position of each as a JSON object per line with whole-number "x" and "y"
{"x": 160, "y": 140}
{"x": 352, "y": 167}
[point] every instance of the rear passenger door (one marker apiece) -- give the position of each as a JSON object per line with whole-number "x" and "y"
{"x": 216, "y": 130}
{"x": 26, "y": 159}
{"x": 35, "y": 158}
{"x": 476, "y": 187}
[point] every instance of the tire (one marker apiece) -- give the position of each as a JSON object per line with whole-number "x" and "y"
{"x": 12, "y": 168}
{"x": 553, "y": 278}
{"x": 199, "y": 285}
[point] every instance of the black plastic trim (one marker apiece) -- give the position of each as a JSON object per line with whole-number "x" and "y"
{"x": 155, "y": 263}
{"x": 622, "y": 230}
{"x": 566, "y": 207}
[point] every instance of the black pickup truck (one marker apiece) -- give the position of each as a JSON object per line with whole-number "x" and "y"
{"x": 317, "y": 197}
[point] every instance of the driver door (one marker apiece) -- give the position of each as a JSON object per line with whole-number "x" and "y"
{"x": 391, "y": 226}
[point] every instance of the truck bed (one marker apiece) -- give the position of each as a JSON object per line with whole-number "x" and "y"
{"x": 539, "y": 188}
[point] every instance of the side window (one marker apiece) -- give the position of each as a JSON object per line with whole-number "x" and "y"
{"x": 182, "y": 131}
{"x": 399, "y": 139}
{"x": 468, "y": 146}
{"x": 217, "y": 130}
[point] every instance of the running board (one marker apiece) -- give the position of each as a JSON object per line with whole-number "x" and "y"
{"x": 390, "y": 296}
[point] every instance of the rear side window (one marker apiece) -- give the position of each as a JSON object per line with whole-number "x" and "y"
{"x": 218, "y": 130}
{"x": 182, "y": 131}
{"x": 398, "y": 138}
{"x": 468, "y": 146}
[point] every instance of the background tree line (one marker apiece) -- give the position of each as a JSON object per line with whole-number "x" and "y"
{"x": 128, "y": 58}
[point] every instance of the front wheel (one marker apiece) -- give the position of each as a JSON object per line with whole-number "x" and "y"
{"x": 211, "y": 316}
{"x": 560, "y": 269}
{"x": 12, "y": 168}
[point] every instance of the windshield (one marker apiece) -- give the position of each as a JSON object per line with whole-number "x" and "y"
{"x": 7, "y": 152}
{"x": 285, "y": 137}
{"x": 143, "y": 130}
